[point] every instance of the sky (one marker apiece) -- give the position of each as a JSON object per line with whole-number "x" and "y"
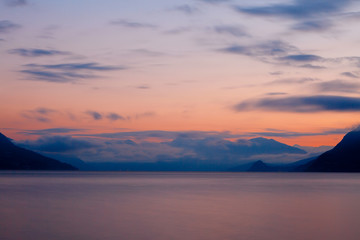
{"x": 97, "y": 72}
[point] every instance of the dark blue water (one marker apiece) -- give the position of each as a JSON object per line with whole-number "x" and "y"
{"x": 186, "y": 206}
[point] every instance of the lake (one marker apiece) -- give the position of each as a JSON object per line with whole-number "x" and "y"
{"x": 186, "y": 206}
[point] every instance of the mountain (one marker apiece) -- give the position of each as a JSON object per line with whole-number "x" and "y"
{"x": 260, "y": 166}
{"x": 314, "y": 150}
{"x": 13, "y": 157}
{"x": 270, "y": 146}
{"x": 344, "y": 157}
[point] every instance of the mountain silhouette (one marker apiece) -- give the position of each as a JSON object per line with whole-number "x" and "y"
{"x": 260, "y": 166}
{"x": 344, "y": 157}
{"x": 13, "y": 157}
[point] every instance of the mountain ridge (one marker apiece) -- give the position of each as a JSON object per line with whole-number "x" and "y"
{"x": 344, "y": 157}
{"x": 13, "y": 157}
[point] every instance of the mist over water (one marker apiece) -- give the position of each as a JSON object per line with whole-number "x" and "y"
{"x": 163, "y": 206}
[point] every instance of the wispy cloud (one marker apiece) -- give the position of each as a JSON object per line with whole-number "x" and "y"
{"x": 273, "y": 52}
{"x": 302, "y": 58}
{"x": 79, "y": 66}
{"x": 51, "y": 131}
{"x": 67, "y": 72}
{"x": 351, "y": 74}
{"x": 114, "y": 117}
{"x": 178, "y": 30}
{"x": 290, "y": 134}
{"x": 132, "y": 24}
{"x": 143, "y": 87}
{"x": 40, "y": 114}
{"x": 292, "y": 81}
{"x": 8, "y": 26}
{"x": 302, "y": 104}
{"x": 283, "y": 53}
{"x": 298, "y": 9}
{"x": 262, "y": 50}
{"x": 187, "y": 9}
{"x": 276, "y": 93}
{"x": 15, "y": 3}
{"x": 36, "y": 52}
{"x": 215, "y": 1}
{"x": 236, "y": 31}
{"x": 310, "y": 15}
{"x": 312, "y": 25}
{"x": 55, "y": 77}
{"x": 95, "y": 115}
{"x": 147, "y": 52}
{"x": 311, "y": 66}
{"x": 338, "y": 86}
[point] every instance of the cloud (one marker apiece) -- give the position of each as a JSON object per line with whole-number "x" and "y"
{"x": 282, "y": 53}
{"x": 276, "y": 73}
{"x": 298, "y": 9}
{"x": 338, "y": 86}
{"x": 210, "y": 148}
{"x": 7, "y": 26}
{"x": 78, "y": 66}
{"x": 39, "y": 114}
{"x": 313, "y": 25}
{"x": 94, "y": 115}
{"x": 267, "y": 49}
{"x": 36, "y": 52}
{"x": 302, "y": 58}
{"x": 311, "y": 15}
{"x": 302, "y": 104}
{"x": 191, "y": 147}
{"x": 148, "y": 53}
{"x": 131, "y": 24}
{"x": 56, "y": 77}
{"x": 114, "y": 117}
{"x": 292, "y": 81}
{"x": 49, "y": 31}
{"x": 15, "y": 3}
{"x": 311, "y": 66}
{"x": 51, "y": 131}
{"x": 59, "y": 144}
{"x": 163, "y": 135}
{"x": 145, "y": 114}
{"x": 289, "y": 134}
{"x": 350, "y": 74}
{"x": 277, "y": 52}
{"x": 143, "y": 87}
{"x": 178, "y": 30}
{"x": 187, "y": 9}
{"x": 67, "y": 72}
{"x": 276, "y": 93}
{"x": 215, "y": 1}
{"x": 236, "y": 31}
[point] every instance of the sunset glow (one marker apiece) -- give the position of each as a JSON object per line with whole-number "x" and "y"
{"x": 230, "y": 69}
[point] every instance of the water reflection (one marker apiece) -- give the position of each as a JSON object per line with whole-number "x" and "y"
{"x": 190, "y": 206}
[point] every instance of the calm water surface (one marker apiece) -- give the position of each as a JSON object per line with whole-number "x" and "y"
{"x": 186, "y": 206}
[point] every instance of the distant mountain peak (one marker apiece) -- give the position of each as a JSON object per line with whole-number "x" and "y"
{"x": 262, "y": 140}
{"x": 276, "y": 147}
